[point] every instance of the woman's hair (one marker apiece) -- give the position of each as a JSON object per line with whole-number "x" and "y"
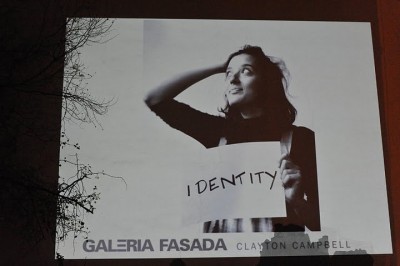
{"x": 278, "y": 108}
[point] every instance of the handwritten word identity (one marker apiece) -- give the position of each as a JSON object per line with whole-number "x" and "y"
{"x": 222, "y": 183}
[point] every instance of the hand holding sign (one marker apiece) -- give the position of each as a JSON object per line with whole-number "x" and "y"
{"x": 291, "y": 180}
{"x": 233, "y": 181}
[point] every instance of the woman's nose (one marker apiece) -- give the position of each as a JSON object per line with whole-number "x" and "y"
{"x": 234, "y": 79}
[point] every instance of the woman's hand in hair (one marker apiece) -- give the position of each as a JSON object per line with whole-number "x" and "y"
{"x": 172, "y": 87}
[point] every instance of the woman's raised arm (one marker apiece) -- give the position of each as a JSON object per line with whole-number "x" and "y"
{"x": 171, "y": 88}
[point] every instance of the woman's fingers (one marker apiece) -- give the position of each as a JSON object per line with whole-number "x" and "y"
{"x": 286, "y": 163}
{"x": 290, "y": 177}
{"x": 283, "y": 157}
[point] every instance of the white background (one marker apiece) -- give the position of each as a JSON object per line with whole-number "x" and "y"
{"x": 332, "y": 86}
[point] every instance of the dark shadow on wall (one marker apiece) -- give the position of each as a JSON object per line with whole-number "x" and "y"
{"x": 335, "y": 260}
{"x": 293, "y": 249}
{"x": 289, "y": 249}
{"x": 177, "y": 262}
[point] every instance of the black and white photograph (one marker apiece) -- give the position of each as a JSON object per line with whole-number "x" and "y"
{"x": 224, "y": 136}
{"x": 256, "y": 109}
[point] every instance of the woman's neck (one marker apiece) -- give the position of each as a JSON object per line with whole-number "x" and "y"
{"x": 253, "y": 112}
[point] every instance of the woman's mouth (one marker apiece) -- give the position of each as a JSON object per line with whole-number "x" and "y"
{"x": 235, "y": 90}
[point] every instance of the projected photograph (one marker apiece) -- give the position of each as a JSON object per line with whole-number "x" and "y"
{"x": 231, "y": 139}
{"x": 256, "y": 109}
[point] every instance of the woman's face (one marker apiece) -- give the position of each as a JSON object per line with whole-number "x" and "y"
{"x": 243, "y": 82}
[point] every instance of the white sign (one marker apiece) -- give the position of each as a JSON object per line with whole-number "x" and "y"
{"x": 234, "y": 181}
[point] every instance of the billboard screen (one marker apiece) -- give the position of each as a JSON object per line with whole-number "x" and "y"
{"x": 233, "y": 139}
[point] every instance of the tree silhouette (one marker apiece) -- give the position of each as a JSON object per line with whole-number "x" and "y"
{"x": 78, "y": 105}
{"x": 43, "y": 87}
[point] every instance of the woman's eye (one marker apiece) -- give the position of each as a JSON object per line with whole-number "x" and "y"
{"x": 246, "y": 71}
{"x": 228, "y": 74}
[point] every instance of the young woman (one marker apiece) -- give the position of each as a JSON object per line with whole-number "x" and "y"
{"x": 256, "y": 109}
